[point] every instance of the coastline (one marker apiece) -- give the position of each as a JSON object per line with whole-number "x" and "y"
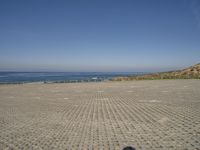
{"x": 53, "y": 82}
{"x": 58, "y": 77}
{"x": 93, "y": 82}
{"x": 192, "y": 72}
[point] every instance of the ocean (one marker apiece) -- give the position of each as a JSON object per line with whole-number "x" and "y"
{"x": 58, "y": 77}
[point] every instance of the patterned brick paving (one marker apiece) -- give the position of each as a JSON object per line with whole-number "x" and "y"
{"x": 148, "y": 115}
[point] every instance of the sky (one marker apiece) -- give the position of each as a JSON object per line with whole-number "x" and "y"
{"x": 99, "y": 35}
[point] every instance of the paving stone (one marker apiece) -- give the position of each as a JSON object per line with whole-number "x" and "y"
{"x": 156, "y": 115}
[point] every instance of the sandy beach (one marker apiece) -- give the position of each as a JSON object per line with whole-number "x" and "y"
{"x": 153, "y": 114}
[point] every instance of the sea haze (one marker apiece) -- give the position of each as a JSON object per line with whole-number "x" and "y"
{"x": 49, "y": 77}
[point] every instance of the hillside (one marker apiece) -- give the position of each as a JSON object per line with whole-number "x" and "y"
{"x": 192, "y": 72}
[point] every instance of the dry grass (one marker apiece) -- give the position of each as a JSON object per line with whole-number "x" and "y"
{"x": 192, "y": 72}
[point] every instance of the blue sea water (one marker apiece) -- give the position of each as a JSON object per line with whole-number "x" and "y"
{"x": 49, "y": 77}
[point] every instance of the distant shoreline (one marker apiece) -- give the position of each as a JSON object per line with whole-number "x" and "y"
{"x": 78, "y": 82}
{"x": 53, "y": 82}
{"x": 58, "y": 77}
{"x": 192, "y": 72}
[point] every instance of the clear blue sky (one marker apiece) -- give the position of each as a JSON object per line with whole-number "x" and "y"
{"x": 99, "y": 35}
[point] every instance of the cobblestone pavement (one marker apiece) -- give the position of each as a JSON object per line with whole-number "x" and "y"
{"x": 148, "y": 115}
